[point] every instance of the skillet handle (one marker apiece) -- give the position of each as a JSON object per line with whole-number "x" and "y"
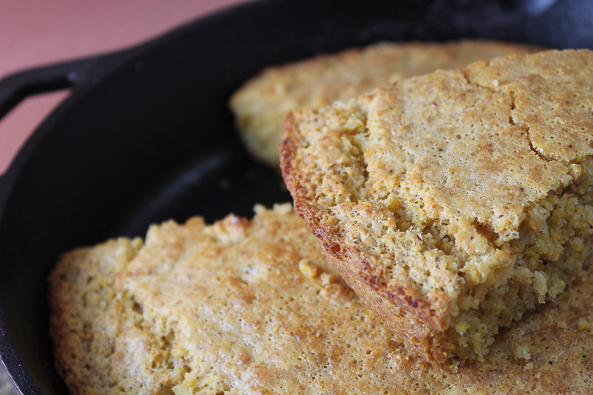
{"x": 74, "y": 74}
{"x": 16, "y": 87}
{"x": 71, "y": 74}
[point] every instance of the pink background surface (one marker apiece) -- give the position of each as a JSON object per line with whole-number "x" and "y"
{"x": 38, "y": 32}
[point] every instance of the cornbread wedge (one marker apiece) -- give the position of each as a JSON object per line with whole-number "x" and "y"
{"x": 254, "y": 307}
{"x": 454, "y": 202}
{"x": 261, "y": 103}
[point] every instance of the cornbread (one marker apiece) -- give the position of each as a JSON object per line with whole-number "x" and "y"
{"x": 261, "y": 103}
{"x": 454, "y": 202}
{"x": 254, "y": 307}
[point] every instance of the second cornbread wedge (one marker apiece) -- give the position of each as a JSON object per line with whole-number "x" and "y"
{"x": 262, "y": 102}
{"x": 454, "y": 202}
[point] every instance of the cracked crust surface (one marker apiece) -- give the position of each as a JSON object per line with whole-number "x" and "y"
{"x": 254, "y": 307}
{"x": 460, "y": 197}
{"x": 261, "y": 104}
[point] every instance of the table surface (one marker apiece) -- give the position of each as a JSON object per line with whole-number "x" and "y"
{"x": 34, "y": 33}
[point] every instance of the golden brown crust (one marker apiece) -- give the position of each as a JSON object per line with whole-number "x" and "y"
{"x": 254, "y": 307}
{"x": 433, "y": 193}
{"x": 81, "y": 287}
{"x": 262, "y": 102}
{"x": 435, "y": 347}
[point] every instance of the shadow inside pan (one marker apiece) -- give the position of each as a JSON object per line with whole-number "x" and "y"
{"x": 208, "y": 186}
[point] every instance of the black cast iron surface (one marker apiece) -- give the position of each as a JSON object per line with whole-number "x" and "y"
{"x": 146, "y": 134}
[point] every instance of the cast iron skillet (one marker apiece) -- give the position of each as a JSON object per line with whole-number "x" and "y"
{"x": 146, "y": 134}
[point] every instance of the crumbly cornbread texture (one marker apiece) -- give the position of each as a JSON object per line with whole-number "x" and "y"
{"x": 461, "y": 197}
{"x": 261, "y": 104}
{"x": 254, "y": 307}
